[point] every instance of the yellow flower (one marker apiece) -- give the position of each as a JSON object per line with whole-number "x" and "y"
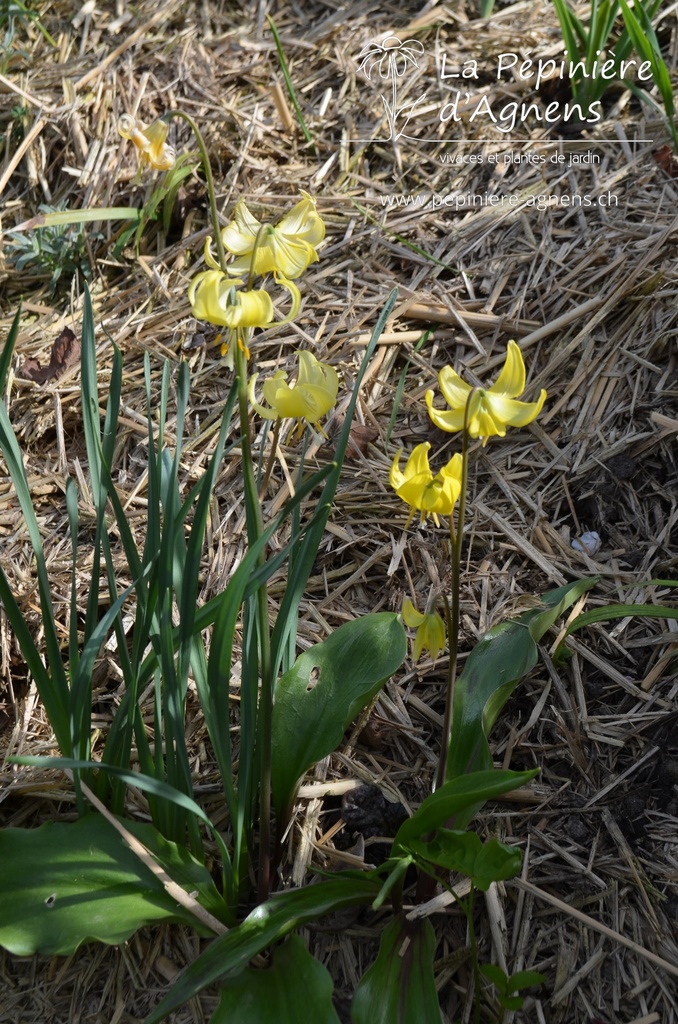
{"x": 149, "y": 140}
{"x": 491, "y": 411}
{"x": 215, "y": 298}
{"x": 435, "y": 495}
{"x": 286, "y": 249}
{"x": 430, "y": 630}
{"x": 313, "y": 395}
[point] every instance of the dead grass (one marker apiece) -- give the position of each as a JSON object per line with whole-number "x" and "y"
{"x": 591, "y": 295}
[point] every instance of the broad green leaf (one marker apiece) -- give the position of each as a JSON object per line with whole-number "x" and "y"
{"x": 284, "y": 913}
{"x": 399, "y": 987}
{"x": 66, "y": 883}
{"x": 493, "y": 670}
{"x": 322, "y": 693}
{"x": 465, "y": 852}
{"x": 524, "y": 979}
{"x": 495, "y": 975}
{"x": 296, "y": 986}
{"x": 455, "y": 798}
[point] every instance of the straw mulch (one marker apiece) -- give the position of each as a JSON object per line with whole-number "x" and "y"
{"x": 591, "y": 296}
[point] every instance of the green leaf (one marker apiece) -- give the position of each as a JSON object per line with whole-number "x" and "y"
{"x": 268, "y": 923}
{"x": 491, "y": 673}
{"x": 295, "y": 980}
{"x": 69, "y": 217}
{"x": 322, "y": 693}
{"x": 399, "y": 987}
{"x": 8, "y": 349}
{"x": 483, "y": 863}
{"x": 524, "y": 979}
{"x": 455, "y": 798}
{"x": 617, "y": 611}
{"x": 66, "y": 883}
{"x": 496, "y": 976}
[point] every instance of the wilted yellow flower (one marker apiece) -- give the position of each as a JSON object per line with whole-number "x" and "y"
{"x": 286, "y": 249}
{"x": 311, "y": 397}
{"x": 430, "y": 630}
{"x": 150, "y": 142}
{"x": 420, "y": 489}
{"x": 491, "y": 411}
{"x": 215, "y": 298}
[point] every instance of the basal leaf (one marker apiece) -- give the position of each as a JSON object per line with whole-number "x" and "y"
{"x": 454, "y": 800}
{"x": 322, "y": 693}
{"x": 281, "y": 914}
{"x": 492, "y": 671}
{"x": 66, "y": 883}
{"x": 399, "y": 987}
{"x": 465, "y": 852}
{"x": 294, "y": 982}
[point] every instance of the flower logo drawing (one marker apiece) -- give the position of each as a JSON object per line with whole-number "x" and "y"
{"x": 390, "y": 60}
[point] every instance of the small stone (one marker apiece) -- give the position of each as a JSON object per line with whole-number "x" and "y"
{"x": 588, "y": 543}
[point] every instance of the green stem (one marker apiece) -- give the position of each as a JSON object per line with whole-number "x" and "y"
{"x": 210, "y": 184}
{"x": 254, "y": 531}
{"x": 452, "y": 611}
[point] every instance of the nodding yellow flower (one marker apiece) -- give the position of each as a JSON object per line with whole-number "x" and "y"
{"x": 215, "y": 297}
{"x": 421, "y": 490}
{"x": 150, "y": 141}
{"x": 286, "y": 249}
{"x": 490, "y": 411}
{"x": 311, "y": 397}
{"x": 430, "y": 630}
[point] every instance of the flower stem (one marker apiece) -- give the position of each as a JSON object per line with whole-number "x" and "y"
{"x": 208, "y": 178}
{"x": 452, "y": 609}
{"x": 254, "y": 531}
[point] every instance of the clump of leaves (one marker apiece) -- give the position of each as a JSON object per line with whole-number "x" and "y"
{"x": 509, "y": 987}
{"x": 11, "y": 12}
{"x": 53, "y": 250}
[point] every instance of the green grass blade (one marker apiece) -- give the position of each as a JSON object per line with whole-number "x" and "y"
{"x": 68, "y": 217}
{"x": 400, "y": 389}
{"x": 610, "y": 612}
{"x": 8, "y": 349}
{"x": 279, "y": 916}
{"x": 73, "y": 644}
{"x": 303, "y": 562}
{"x": 288, "y": 82}
{"x": 58, "y": 684}
{"x": 645, "y": 41}
{"x": 54, "y": 698}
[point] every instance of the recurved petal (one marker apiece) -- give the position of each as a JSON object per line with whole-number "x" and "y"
{"x": 411, "y": 617}
{"x": 454, "y": 389}
{"x": 395, "y": 476}
{"x": 295, "y": 295}
{"x": 252, "y": 309}
{"x": 513, "y": 413}
{"x": 417, "y": 464}
{"x": 511, "y": 380}
{"x": 449, "y": 419}
{"x": 267, "y": 414}
{"x": 240, "y": 234}
{"x": 303, "y": 221}
{"x": 207, "y": 297}
{"x": 291, "y": 256}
